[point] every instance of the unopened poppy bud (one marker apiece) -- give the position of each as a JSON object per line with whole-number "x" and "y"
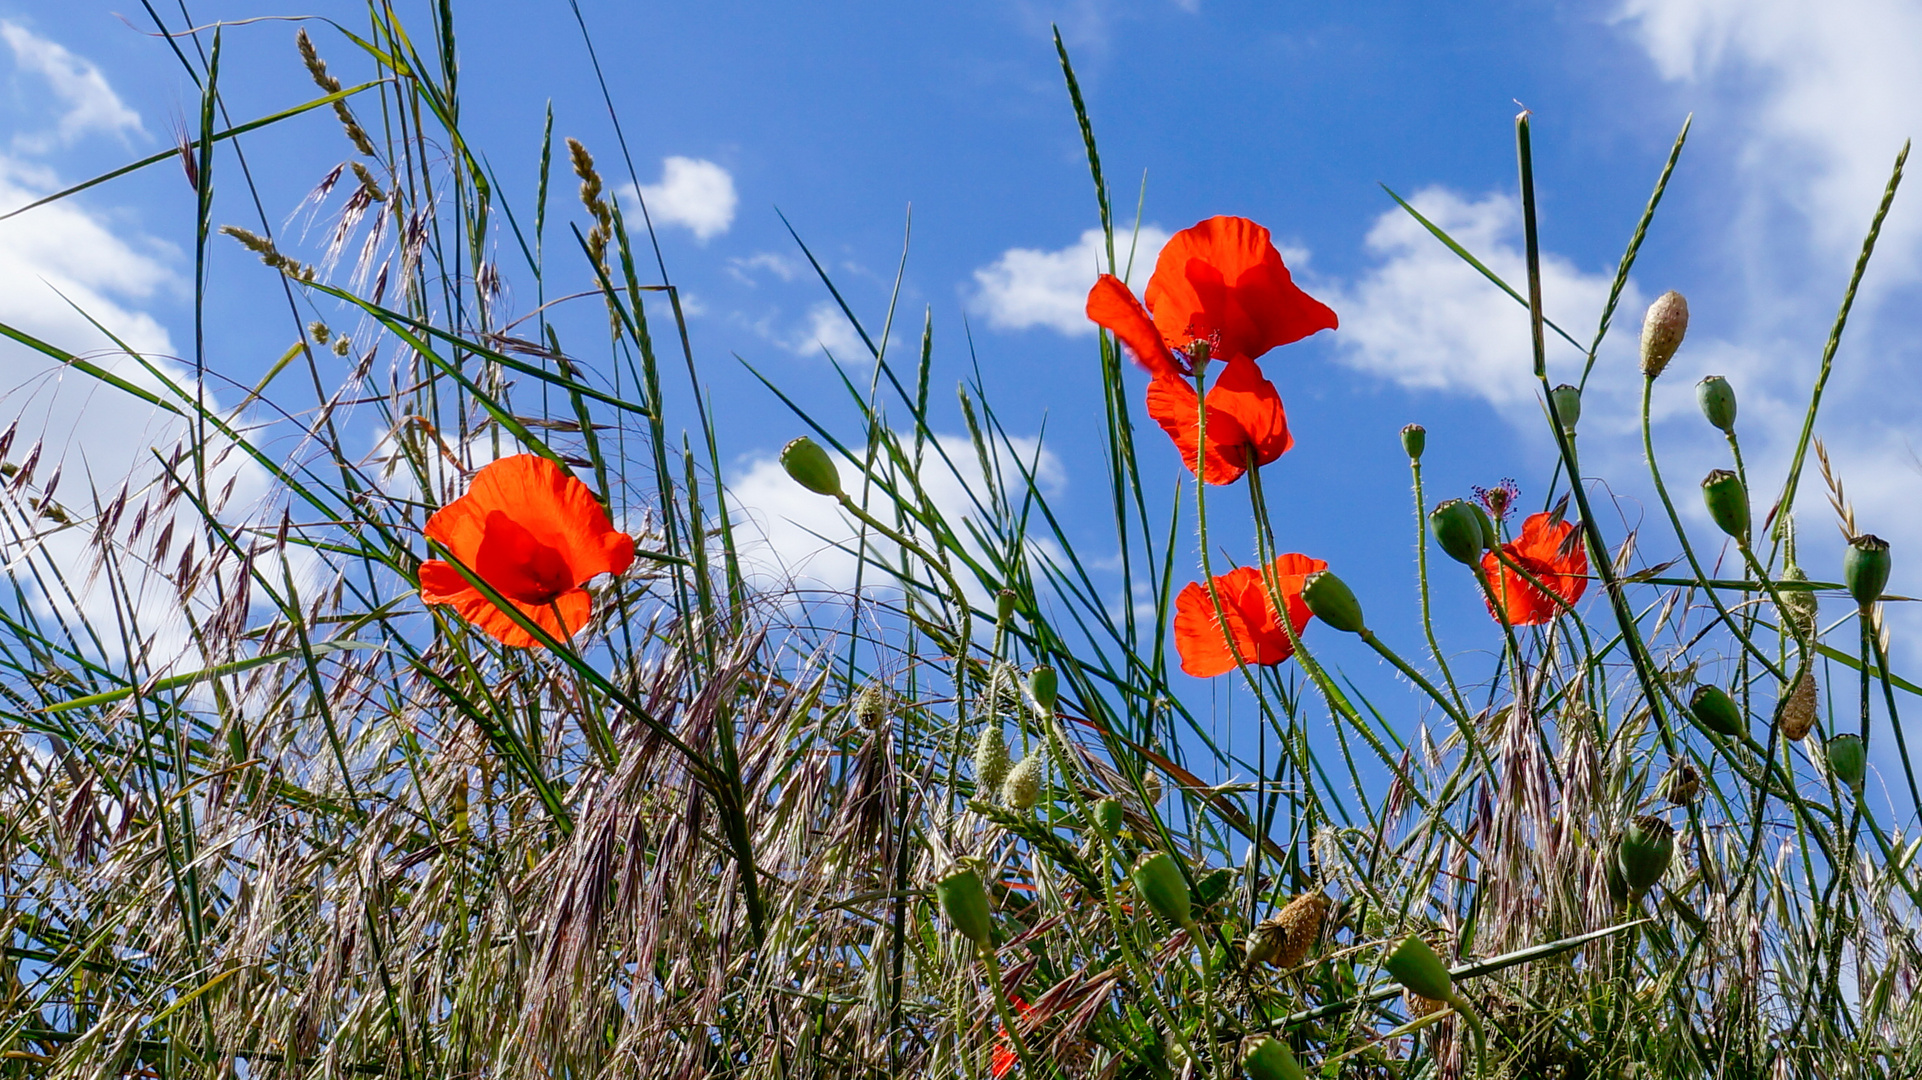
{"x": 1682, "y": 784}
{"x": 1415, "y": 966}
{"x": 1331, "y": 600}
{"x": 1643, "y": 851}
{"x": 1022, "y": 788}
{"x": 1265, "y": 1057}
{"x": 1662, "y": 331}
{"x": 1044, "y": 686}
{"x": 1718, "y": 402}
{"x": 1717, "y": 711}
{"x": 1727, "y": 502}
{"x": 1461, "y": 529}
{"x": 965, "y": 903}
{"x": 1796, "y": 714}
{"x": 1848, "y": 760}
{"x": 1108, "y": 817}
{"x": 1003, "y": 605}
{"x": 1160, "y": 883}
{"x": 1568, "y": 406}
{"x": 1414, "y": 439}
{"x": 1865, "y": 568}
{"x": 990, "y": 761}
{"x": 811, "y": 467}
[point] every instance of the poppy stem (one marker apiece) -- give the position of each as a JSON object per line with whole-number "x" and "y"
{"x": 1421, "y": 570}
{"x": 1001, "y": 1007}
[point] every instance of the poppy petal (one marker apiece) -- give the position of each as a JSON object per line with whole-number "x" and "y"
{"x": 1114, "y": 308}
{"x": 1171, "y": 402}
{"x": 1547, "y": 550}
{"x": 1223, "y": 278}
{"x": 1243, "y": 393}
{"x": 574, "y": 606}
{"x": 1250, "y": 617}
{"x": 521, "y": 567}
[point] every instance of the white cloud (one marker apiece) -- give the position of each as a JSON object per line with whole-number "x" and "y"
{"x": 1026, "y": 287}
{"x": 743, "y": 270}
{"x": 828, "y": 329}
{"x": 695, "y": 194}
{"x": 87, "y": 103}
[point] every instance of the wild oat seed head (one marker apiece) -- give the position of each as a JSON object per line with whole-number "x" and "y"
{"x": 320, "y": 332}
{"x": 1662, "y": 331}
{"x": 1798, "y": 710}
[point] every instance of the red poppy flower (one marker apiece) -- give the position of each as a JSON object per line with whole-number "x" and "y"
{"x": 1251, "y": 617}
{"x": 1222, "y": 284}
{"x": 1005, "y": 1059}
{"x": 1550, "y": 551}
{"x": 534, "y": 532}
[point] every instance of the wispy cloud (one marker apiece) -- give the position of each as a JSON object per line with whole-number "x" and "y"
{"x": 695, "y": 194}
{"x": 1028, "y": 287}
{"x": 86, "y": 103}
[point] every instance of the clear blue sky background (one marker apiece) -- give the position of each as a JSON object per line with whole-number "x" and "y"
{"x": 845, "y": 114}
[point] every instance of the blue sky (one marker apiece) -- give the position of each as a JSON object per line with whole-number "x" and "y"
{"x": 843, "y": 115}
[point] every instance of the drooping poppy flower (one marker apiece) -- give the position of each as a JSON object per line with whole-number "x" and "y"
{"x": 534, "y": 532}
{"x": 1005, "y": 1058}
{"x": 1220, "y": 284}
{"x": 1250, "y": 617}
{"x": 1552, "y": 552}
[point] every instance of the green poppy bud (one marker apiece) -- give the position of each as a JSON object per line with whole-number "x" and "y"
{"x": 1717, "y": 711}
{"x": 1043, "y": 686}
{"x": 1462, "y": 530}
{"x": 1848, "y": 760}
{"x": 1416, "y": 967}
{"x": 1617, "y": 885}
{"x": 1414, "y": 439}
{"x": 811, "y": 467}
{"x": 990, "y": 761}
{"x": 1727, "y": 502}
{"x": 1568, "y": 405}
{"x": 1643, "y": 851}
{"x": 1003, "y": 605}
{"x": 1718, "y": 402}
{"x": 965, "y": 903}
{"x": 1265, "y": 1057}
{"x": 1865, "y": 568}
{"x": 1108, "y": 817}
{"x": 1022, "y": 788}
{"x": 1160, "y": 883}
{"x": 1662, "y": 331}
{"x": 1330, "y": 600}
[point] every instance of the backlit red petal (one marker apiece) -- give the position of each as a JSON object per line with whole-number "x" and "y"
{"x": 1114, "y": 308}
{"x": 1223, "y": 278}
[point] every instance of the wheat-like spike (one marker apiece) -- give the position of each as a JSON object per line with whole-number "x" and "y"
{"x": 1838, "y": 499}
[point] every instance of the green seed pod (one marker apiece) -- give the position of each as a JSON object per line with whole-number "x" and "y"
{"x": 1416, "y": 967}
{"x": 1848, "y": 760}
{"x": 1414, "y": 439}
{"x": 1717, "y": 711}
{"x": 1717, "y": 398}
{"x": 1796, "y": 713}
{"x": 811, "y": 467}
{"x": 1568, "y": 405}
{"x": 1160, "y": 883}
{"x": 1617, "y": 885}
{"x": 1108, "y": 817}
{"x": 1330, "y": 600}
{"x": 990, "y": 761}
{"x": 1865, "y": 568}
{"x": 1727, "y": 502}
{"x": 1003, "y": 605}
{"x": 965, "y": 903}
{"x": 1265, "y": 1057}
{"x": 1643, "y": 851}
{"x": 1043, "y": 687}
{"x": 1662, "y": 331}
{"x": 1022, "y": 788}
{"x": 1462, "y": 529}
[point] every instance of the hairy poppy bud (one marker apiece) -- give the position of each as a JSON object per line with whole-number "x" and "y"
{"x": 1727, "y": 502}
{"x": 1643, "y": 852}
{"x": 1003, "y": 605}
{"x": 1848, "y": 760}
{"x": 990, "y": 761}
{"x": 1022, "y": 788}
{"x": 1462, "y": 530}
{"x": 1717, "y": 711}
{"x": 1416, "y": 967}
{"x": 1160, "y": 883}
{"x": 1796, "y": 714}
{"x": 811, "y": 467}
{"x": 1108, "y": 817}
{"x": 1865, "y": 568}
{"x": 965, "y": 903}
{"x": 1568, "y": 406}
{"x": 1682, "y": 784}
{"x": 1799, "y": 606}
{"x": 1414, "y": 439}
{"x": 1330, "y": 600}
{"x": 1662, "y": 331}
{"x": 1265, "y": 1057}
{"x": 1043, "y": 687}
{"x": 1718, "y": 402}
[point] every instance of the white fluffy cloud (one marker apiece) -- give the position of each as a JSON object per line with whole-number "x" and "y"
{"x": 1027, "y": 287}
{"x": 828, "y": 330}
{"x": 86, "y": 103}
{"x": 695, "y": 194}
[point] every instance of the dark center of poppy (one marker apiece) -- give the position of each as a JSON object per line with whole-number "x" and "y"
{"x": 516, "y": 562}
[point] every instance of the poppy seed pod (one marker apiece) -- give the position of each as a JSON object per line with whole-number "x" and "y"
{"x": 811, "y": 467}
{"x": 990, "y": 761}
{"x": 1568, "y": 405}
{"x": 1003, "y": 605}
{"x": 1462, "y": 529}
{"x": 1022, "y": 788}
{"x": 1268, "y": 1058}
{"x": 1108, "y": 817}
{"x": 1416, "y": 967}
{"x": 1331, "y": 600}
{"x": 1043, "y": 687}
{"x": 1727, "y": 502}
{"x": 1865, "y": 568}
{"x": 1662, "y": 331}
{"x": 1643, "y": 852}
{"x": 1160, "y": 883}
{"x": 1848, "y": 760}
{"x": 1717, "y": 711}
{"x": 965, "y": 903}
{"x": 1414, "y": 439}
{"x": 1796, "y": 714}
{"x": 1718, "y": 402}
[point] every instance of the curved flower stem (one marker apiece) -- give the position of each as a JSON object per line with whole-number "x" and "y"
{"x": 1001, "y": 1007}
{"x": 1421, "y": 570}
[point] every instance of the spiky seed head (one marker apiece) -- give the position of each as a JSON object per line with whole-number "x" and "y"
{"x": 871, "y": 709}
{"x": 990, "y": 760}
{"x": 1799, "y": 606}
{"x": 1662, "y": 331}
{"x": 1797, "y": 712}
{"x": 1300, "y": 922}
{"x": 1682, "y": 785}
{"x": 1022, "y": 788}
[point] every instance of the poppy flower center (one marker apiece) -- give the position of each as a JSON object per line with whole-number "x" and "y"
{"x": 519, "y": 564}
